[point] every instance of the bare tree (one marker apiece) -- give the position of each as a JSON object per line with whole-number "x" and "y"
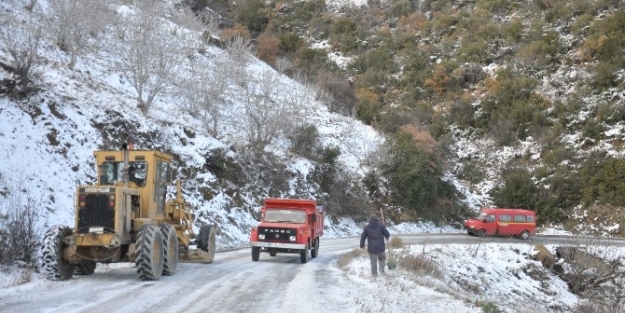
{"x": 203, "y": 94}
{"x": 20, "y": 229}
{"x": 73, "y": 22}
{"x": 212, "y": 21}
{"x": 31, "y": 5}
{"x": 269, "y": 113}
{"x": 149, "y": 53}
{"x": 21, "y": 40}
{"x": 239, "y": 49}
{"x": 283, "y": 65}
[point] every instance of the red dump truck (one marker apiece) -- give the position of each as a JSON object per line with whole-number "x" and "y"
{"x": 288, "y": 226}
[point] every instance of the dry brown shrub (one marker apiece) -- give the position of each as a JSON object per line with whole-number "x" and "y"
{"x": 233, "y": 32}
{"x": 345, "y": 258}
{"x": 396, "y": 242}
{"x": 421, "y": 264}
{"x": 438, "y": 81}
{"x": 268, "y": 48}
{"x": 414, "y": 21}
{"x": 421, "y": 138}
{"x": 366, "y": 94}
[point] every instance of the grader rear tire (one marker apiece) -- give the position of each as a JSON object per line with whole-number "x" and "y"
{"x": 170, "y": 246}
{"x": 53, "y": 264}
{"x": 149, "y": 253}
{"x": 206, "y": 241}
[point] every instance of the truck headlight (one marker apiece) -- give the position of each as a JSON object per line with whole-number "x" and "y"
{"x": 292, "y": 238}
{"x": 261, "y": 236}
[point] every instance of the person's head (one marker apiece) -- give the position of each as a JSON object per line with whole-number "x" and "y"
{"x": 373, "y": 217}
{"x": 131, "y": 170}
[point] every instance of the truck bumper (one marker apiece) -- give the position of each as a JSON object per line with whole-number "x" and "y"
{"x": 277, "y": 245}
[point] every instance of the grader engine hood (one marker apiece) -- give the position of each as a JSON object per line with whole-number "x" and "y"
{"x": 96, "y": 209}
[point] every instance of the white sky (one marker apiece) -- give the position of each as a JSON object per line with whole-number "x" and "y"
{"x": 89, "y": 93}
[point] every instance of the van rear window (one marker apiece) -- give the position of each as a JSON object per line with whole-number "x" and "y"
{"x": 519, "y": 218}
{"x": 530, "y": 218}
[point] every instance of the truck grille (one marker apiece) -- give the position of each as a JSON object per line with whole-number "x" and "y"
{"x": 96, "y": 212}
{"x": 277, "y": 234}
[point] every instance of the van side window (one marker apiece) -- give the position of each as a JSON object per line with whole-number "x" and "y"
{"x": 530, "y": 218}
{"x": 490, "y": 218}
{"x": 519, "y": 218}
{"x": 505, "y": 218}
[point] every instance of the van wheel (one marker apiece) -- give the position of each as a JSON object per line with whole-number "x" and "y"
{"x": 273, "y": 253}
{"x": 525, "y": 235}
{"x": 481, "y": 233}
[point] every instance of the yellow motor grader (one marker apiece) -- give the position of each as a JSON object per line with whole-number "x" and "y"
{"x": 125, "y": 217}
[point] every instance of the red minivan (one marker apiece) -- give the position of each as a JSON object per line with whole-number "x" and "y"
{"x": 502, "y": 222}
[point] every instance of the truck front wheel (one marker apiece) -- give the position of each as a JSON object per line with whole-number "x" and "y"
{"x": 255, "y": 253}
{"x": 303, "y": 255}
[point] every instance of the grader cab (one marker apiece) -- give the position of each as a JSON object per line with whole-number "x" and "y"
{"x": 125, "y": 217}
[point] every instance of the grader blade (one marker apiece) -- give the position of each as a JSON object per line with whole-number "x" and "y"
{"x": 197, "y": 256}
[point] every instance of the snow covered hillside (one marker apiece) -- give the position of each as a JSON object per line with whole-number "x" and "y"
{"x": 48, "y": 137}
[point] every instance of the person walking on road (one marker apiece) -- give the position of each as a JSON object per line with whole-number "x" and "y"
{"x": 375, "y": 234}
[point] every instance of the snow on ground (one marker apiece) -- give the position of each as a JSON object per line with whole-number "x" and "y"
{"x": 449, "y": 278}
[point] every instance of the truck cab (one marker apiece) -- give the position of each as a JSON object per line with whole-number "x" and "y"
{"x": 288, "y": 226}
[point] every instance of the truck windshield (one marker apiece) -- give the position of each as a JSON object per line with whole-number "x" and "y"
{"x": 285, "y": 216}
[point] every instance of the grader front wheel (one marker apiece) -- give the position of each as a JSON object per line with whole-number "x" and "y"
{"x": 170, "y": 245}
{"x": 149, "y": 255}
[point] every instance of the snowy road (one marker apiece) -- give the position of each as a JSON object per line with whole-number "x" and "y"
{"x": 233, "y": 283}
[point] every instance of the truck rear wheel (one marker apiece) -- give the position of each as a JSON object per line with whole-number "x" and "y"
{"x": 53, "y": 265}
{"x": 315, "y": 249}
{"x": 85, "y": 268}
{"x": 149, "y": 256}
{"x": 255, "y": 253}
{"x": 206, "y": 241}
{"x": 170, "y": 246}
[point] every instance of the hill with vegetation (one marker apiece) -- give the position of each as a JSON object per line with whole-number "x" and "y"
{"x": 528, "y": 94}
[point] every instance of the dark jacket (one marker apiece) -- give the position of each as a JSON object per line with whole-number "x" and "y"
{"x": 374, "y": 233}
